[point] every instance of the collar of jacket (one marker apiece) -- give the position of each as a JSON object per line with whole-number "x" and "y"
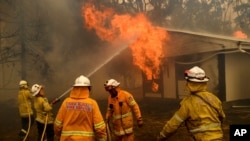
{"x": 79, "y": 92}
{"x": 194, "y": 87}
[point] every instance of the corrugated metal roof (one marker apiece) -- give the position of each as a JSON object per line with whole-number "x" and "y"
{"x": 185, "y": 43}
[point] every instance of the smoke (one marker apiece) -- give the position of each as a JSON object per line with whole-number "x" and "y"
{"x": 75, "y": 50}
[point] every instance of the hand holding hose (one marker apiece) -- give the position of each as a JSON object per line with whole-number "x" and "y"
{"x": 54, "y": 101}
{"x": 139, "y": 122}
{"x": 162, "y": 137}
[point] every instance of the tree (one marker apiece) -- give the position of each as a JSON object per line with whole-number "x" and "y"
{"x": 242, "y": 20}
{"x": 23, "y": 37}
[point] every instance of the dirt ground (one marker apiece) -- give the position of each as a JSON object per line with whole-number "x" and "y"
{"x": 155, "y": 113}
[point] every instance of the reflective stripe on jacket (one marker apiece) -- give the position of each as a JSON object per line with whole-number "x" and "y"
{"x": 79, "y": 118}
{"x": 43, "y": 108}
{"x": 24, "y": 103}
{"x": 202, "y": 119}
{"x": 120, "y": 113}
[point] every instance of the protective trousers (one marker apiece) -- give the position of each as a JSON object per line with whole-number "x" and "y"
{"x": 25, "y": 126}
{"x": 49, "y": 133}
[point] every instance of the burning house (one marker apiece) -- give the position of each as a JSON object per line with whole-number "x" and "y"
{"x": 225, "y": 60}
{"x": 163, "y": 54}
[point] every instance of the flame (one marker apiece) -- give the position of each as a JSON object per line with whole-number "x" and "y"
{"x": 240, "y": 34}
{"x": 148, "y": 40}
{"x": 155, "y": 87}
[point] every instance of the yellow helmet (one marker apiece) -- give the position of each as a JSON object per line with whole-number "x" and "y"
{"x": 23, "y": 84}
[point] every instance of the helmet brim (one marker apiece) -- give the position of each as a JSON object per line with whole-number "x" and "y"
{"x": 80, "y": 85}
{"x": 198, "y": 80}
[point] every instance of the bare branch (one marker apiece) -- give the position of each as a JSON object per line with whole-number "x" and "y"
{"x": 10, "y": 35}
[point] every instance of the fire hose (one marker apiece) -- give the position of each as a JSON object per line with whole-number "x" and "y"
{"x": 59, "y": 98}
{"x": 66, "y": 92}
{"x": 91, "y": 73}
{"x": 109, "y": 137}
{"x": 45, "y": 126}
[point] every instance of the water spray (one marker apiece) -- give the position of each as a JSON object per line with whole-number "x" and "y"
{"x": 92, "y": 72}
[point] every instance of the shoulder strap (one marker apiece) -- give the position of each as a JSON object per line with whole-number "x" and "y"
{"x": 207, "y": 102}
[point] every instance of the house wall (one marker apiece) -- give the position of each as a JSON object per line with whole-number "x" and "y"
{"x": 175, "y": 84}
{"x": 237, "y": 75}
{"x": 210, "y": 66}
{"x": 169, "y": 80}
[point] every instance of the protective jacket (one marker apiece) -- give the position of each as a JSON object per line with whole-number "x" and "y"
{"x": 79, "y": 118}
{"x": 120, "y": 110}
{"x": 24, "y": 103}
{"x": 202, "y": 113}
{"x": 43, "y": 110}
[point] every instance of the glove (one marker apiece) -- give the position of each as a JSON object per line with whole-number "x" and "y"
{"x": 139, "y": 122}
{"x": 160, "y": 137}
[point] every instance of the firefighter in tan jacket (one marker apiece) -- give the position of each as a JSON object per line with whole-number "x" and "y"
{"x": 79, "y": 117}
{"x": 121, "y": 106}
{"x": 44, "y": 117}
{"x": 25, "y": 108}
{"x": 201, "y": 110}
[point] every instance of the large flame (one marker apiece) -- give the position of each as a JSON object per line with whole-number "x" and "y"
{"x": 148, "y": 40}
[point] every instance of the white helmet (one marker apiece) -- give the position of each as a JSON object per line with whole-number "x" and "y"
{"x": 23, "y": 83}
{"x": 82, "y": 81}
{"x": 196, "y": 74}
{"x": 35, "y": 89}
{"x": 112, "y": 82}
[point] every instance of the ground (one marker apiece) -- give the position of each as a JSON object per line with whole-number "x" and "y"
{"x": 155, "y": 114}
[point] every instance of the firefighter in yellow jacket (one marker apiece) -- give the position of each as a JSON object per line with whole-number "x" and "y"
{"x": 25, "y": 108}
{"x": 201, "y": 110}
{"x": 44, "y": 117}
{"x": 79, "y": 117}
{"x": 121, "y": 106}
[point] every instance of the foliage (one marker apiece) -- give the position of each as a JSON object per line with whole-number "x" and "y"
{"x": 209, "y": 16}
{"x": 243, "y": 16}
{"x": 23, "y": 36}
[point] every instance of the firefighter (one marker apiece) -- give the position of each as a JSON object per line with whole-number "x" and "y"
{"x": 121, "y": 104}
{"x": 79, "y": 117}
{"x": 44, "y": 117}
{"x": 201, "y": 111}
{"x": 25, "y": 109}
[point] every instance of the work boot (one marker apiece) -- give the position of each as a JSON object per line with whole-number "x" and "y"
{"x": 21, "y": 136}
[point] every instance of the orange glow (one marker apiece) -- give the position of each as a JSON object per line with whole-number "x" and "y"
{"x": 148, "y": 40}
{"x": 240, "y": 34}
{"x": 96, "y": 20}
{"x": 155, "y": 87}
